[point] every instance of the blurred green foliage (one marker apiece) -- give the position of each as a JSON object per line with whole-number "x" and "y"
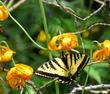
{"x": 29, "y": 16}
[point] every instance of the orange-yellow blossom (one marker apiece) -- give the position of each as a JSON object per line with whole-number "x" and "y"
{"x": 3, "y": 13}
{"x": 103, "y": 52}
{"x": 42, "y": 36}
{"x": 18, "y": 75}
{"x": 6, "y": 54}
{"x": 105, "y": 44}
{"x": 66, "y": 41}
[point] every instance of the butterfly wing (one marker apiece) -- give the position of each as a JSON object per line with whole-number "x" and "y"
{"x": 75, "y": 63}
{"x": 65, "y": 68}
{"x": 55, "y": 68}
{"x": 81, "y": 63}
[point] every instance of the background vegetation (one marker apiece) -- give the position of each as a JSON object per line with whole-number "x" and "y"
{"x": 29, "y": 16}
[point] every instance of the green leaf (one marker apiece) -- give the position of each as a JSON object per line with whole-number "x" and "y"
{"x": 29, "y": 90}
{"x": 97, "y": 71}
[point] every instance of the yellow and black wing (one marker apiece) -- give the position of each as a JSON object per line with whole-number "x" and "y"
{"x": 66, "y": 68}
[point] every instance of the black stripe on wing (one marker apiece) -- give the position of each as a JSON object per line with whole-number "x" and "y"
{"x": 51, "y": 65}
{"x": 61, "y": 79}
{"x": 42, "y": 67}
{"x": 81, "y": 66}
{"x": 83, "y": 63}
{"x": 71, "y": 59}
{"x": 46, "y": 65}
{"x": 65, "y": 60}
{"x": 75, "y": 57}
{"x": 56, "y": 62}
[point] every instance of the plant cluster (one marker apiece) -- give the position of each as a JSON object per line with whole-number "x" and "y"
{"x": 56, "y": 28}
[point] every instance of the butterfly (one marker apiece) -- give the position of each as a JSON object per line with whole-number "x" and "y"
{"x": 66, "y": 68}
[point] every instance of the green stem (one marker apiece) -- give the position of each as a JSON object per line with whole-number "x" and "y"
{"x": 26, "y": 33}
{"x": 46, "y": 31}
{"x": 88, "y": 70}
{"x": 86, "y": 80}
{"x": 57, "y": 87}
{"x": 5, "y": 88}
{"x": 27, "y": 90}
{"x": 5, "y": 43}
{"x": 96, "y": 42}
{"x": 13, "y": 61}
{"x": 45, "y": 24}
{"x": 44, "y": 18}
{"x": 23, "y": 29}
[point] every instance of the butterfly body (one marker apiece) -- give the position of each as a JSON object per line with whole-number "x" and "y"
{"x": 65, "y": 68}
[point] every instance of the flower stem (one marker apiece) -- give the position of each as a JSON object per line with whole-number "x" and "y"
{"x": 37, "y": 45}
{"x": 45, "y": 24}
{"x": 44, "y": 18}
{"x": 83, "y": 91}
{"x": 57, "y": 87}
{"x": 46, "y": 31}
{"x": 26, "y": 33}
